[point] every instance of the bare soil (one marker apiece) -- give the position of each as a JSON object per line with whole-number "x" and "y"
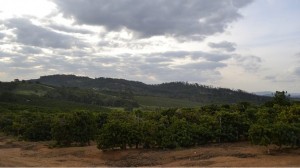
{"x": 19, "y": 153}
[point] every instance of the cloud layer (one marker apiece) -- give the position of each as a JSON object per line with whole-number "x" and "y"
{"x": 99, "y": 38}
{"x": 28, "y": 33}
{"x": 180, "y": 18}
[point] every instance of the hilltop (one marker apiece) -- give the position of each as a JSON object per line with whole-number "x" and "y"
{"x": 165, "y": 94}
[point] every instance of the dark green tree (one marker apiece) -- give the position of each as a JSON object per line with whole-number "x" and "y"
{"x": 61, "y": 129}
{"x": 261, "y": 135}
{"x": 39, "y": 129}
{"x": 281, "y": 98}
{"x": 83, "y": 127}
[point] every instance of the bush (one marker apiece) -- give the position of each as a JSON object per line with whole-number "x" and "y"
{"x": 78, "y": 127}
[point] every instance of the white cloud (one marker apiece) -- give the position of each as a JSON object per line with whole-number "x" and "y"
{"x": 19, "y": 8}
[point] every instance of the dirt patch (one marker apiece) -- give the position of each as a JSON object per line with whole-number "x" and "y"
{"x": 243, "y": 155}
{"x": 134, "y": 160}
{"x": 197, "y": 157}
{"x": 16, "y": 153}
{"x": 29, "y": 147}
{"x": 9, "y": 144}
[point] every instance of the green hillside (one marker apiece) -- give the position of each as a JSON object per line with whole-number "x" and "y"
{"x": 32, "y": 89}
{"x": 119, "y": 93}
{"x": 165, "y": 102}
{"x": 39, "y": 94}
{"x": 171, "y": 94}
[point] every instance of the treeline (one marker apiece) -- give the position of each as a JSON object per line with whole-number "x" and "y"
{"x": 205, "y": 94}
{"x": 64, "y": 128}
{"x": 277, "y": 122}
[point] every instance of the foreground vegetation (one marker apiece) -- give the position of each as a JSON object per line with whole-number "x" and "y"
{"x": 276, "y": 122}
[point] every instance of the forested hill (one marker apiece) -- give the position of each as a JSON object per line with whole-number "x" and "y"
{"x": 147, "y": 94}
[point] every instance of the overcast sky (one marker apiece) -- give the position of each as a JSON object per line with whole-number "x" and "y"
{"x": 253, "y": 45}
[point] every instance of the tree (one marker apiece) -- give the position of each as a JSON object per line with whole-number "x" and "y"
{"x": 260, "y": 132}
{"x": 39, "y": 129}
{"x": 287, "y": 127}
{"x": 281, "y": 98}
{"x": 261, "y": 135}
{"x": 232, "y": 126}
{"x": 61, "y": 130}
{"x": 120, "y": 130}
{"x": 182, "y": 131}
{"x": 279, "y": 125}
{"x": 149, "y": 133}
{"x": 113, "y": 134}
{"x": 83, "y": 127}
{"x": 78, "y": 127}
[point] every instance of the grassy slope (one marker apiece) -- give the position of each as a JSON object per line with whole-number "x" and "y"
{"x": 32, "y": 89}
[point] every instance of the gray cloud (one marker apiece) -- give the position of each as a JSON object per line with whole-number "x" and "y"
{"x": 249, "y": 63}
{"x": 30, "y": 34}
{"x": 8, "y": 54}
{"x": 214, "y": 57}
{"x": 161, "y": 67}
{"x": 163, "y": 73}
{"x": 74, "y": 53}
{"x": 203, "y": 66}
{"x": 225, "y": 45}
{"x": 69, "y": 29}
{"x": 30, "y": 50}
{"x": 296, "y": 71}
{"x": 17, "y": 66}
{"x": 17, "y": 60}
{"x": 151, "y": 68}
{"x": 279, "y": 78}
{"x": 297, "y": 55}
{"x": 180, "y": 18}
{"x": 157, "y": 59}
{"x": 2, "y": 35}
{"x": 271, "y": 78}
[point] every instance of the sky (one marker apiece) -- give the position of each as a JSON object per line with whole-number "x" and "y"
{"x": 253, "y": 45}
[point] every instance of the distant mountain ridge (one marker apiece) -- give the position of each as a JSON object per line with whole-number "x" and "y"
{"x": 271, "y": 94}
{"x": 264, "y": 93}
{"x": 174, "y": 90}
